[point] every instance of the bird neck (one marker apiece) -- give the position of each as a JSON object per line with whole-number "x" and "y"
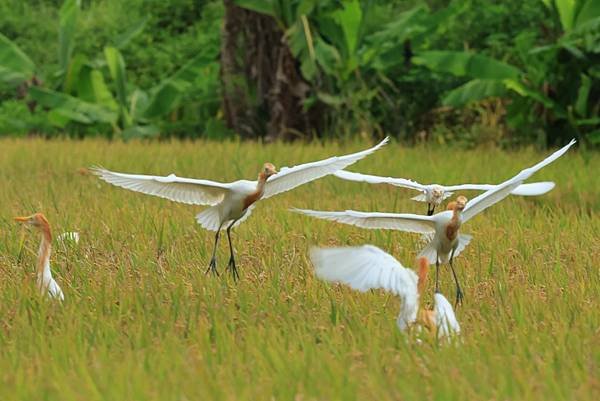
{"x": 456, "y": 213}
{"x": 262, "y": 180}
{"x": 43, "y": 260}
{"x": 260, "y": 189}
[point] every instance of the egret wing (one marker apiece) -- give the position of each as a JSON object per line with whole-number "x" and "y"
{"x": 291, "y": 177}
{"x": 445, "y": 319}
{"x": 501, "y": 191}
{"x": 368, "y": 267}
{"x": 375, "y": 179}
{"x": 532, "y": 189}
{"x": 414, "y": 223}
{"x": 178, "y": 189}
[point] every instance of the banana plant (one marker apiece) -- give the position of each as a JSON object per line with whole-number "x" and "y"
{"x": 578, "y": 109}
{"x": 79, "y": 91}
{"x": 15, "y": 66}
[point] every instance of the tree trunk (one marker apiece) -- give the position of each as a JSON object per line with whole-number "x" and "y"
{"x": 262, "y": 88}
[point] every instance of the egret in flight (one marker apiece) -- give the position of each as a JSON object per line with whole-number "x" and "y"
{"x": 446, "y": 242}
{"x": 231, "y": 203}
{"x": 367, "y": 267}
{"x": 434, "y": 194}
{"x": 45, "y": 281}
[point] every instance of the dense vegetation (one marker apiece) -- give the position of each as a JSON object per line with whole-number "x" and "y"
{"x": 141, "y": 320}
{"x": 473, "y": 70}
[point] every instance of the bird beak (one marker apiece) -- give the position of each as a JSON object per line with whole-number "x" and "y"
{"x": 22, "y": 219}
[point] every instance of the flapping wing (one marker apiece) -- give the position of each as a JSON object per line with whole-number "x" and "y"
{"x": 375, "y": 179}
{"x": 532, "y": 189}
{"x": 413, "y": 223}
{"x": 178, "y": 189}
{"x": 501, "y": 191}
{"x": 292, "y": 177}
{"x": 445, "y": 319}
{"x": 368, "y": 267}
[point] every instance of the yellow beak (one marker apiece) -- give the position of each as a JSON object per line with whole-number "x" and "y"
{"x": 22, "y": 219}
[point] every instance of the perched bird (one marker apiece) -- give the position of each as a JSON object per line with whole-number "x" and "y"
{"x": 231, "y": 203}
{"x": 446, "y": 242}
{"x": 45, "y": 282}
{"x": 367, "y": 267}
{"x": 434, "y": 194}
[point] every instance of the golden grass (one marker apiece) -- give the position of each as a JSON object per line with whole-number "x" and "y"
{"x": 141, "y": 320}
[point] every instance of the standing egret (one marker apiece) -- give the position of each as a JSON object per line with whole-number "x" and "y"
{"x": 434, "y": 194}
{"x": 231, "y": 203}
{"x": 45, "y": 282}
{"x": 367, "y": 267}
{"x": 446, "y": 242}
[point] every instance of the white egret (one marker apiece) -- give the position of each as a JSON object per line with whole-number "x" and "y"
{"x": 446, "y": 242}
{"x": 231, "y": 203}
{"x": 434, "y": 194}
{"x": 367, "y": 267}
{"x": 45, "y": 281}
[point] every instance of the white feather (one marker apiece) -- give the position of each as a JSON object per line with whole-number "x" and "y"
{"x": 368, "y": 267}
{"x": 501, "y": 191}
{"x": 290, "y": 177}
{"x": 375, "y": 179}
{"x": 445, "y": 319}
{"x": 68, "y": 236}
{"x": 415, "y": 223}
{"x": 178, "y": 189}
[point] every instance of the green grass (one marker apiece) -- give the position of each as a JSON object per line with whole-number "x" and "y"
{"x": 141, "y": 320}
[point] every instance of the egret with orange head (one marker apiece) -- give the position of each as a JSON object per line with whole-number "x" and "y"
{"x": 446, "y": 242}
{"x": 231, "y": 203}
{"x": 45, "y": 282}
{"x": 367, "y": 267}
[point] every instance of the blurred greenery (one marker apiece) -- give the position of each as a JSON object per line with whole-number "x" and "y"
{"x": 468, "y": 71}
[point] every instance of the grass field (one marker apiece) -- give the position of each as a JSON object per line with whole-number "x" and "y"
{"x": 141, "y": 321}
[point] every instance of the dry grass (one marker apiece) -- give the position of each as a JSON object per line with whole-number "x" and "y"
{"x": 142, "y": 321}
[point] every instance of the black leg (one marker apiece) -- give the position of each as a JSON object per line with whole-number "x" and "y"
{"x": 212, "y": 266}
{"x": 430, "y": 209}
{"x": 231, "y": 266}
{"x": 437, "y": 273}
{"x": 459, "y": 293}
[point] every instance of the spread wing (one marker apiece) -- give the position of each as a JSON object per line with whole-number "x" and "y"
{"x": 532, "y": 189}
{"x": 178, "y": 189}
{"x": 368, "y": 267}
{"x": 376, "y": 179}
{"x": 291, "y": 177}
{"x": 413, "y": 223}
{"x": 501, "y": 191}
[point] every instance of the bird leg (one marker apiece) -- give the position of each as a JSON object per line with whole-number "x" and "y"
{"x": 231, "y": 266}
{"x": 437, "y": 273}
{"x": 212, "y": 266}
{"x": 459, "y": 293}
{"x": 430, "y": 209}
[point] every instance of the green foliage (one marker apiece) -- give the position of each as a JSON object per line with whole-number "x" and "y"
{"x": 92, "y": 79}
{"x": 372, "y": 66}
{"x": 15, "y": 66}
{"x": 557, "y": 77}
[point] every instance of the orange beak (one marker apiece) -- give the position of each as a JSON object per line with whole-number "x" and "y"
{"x": 22, "y": 219}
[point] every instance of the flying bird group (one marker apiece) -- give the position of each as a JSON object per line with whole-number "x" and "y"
{"x": 361, "y": 267}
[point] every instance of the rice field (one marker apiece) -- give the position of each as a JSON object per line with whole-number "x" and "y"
{"x": 141, "y": 320}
